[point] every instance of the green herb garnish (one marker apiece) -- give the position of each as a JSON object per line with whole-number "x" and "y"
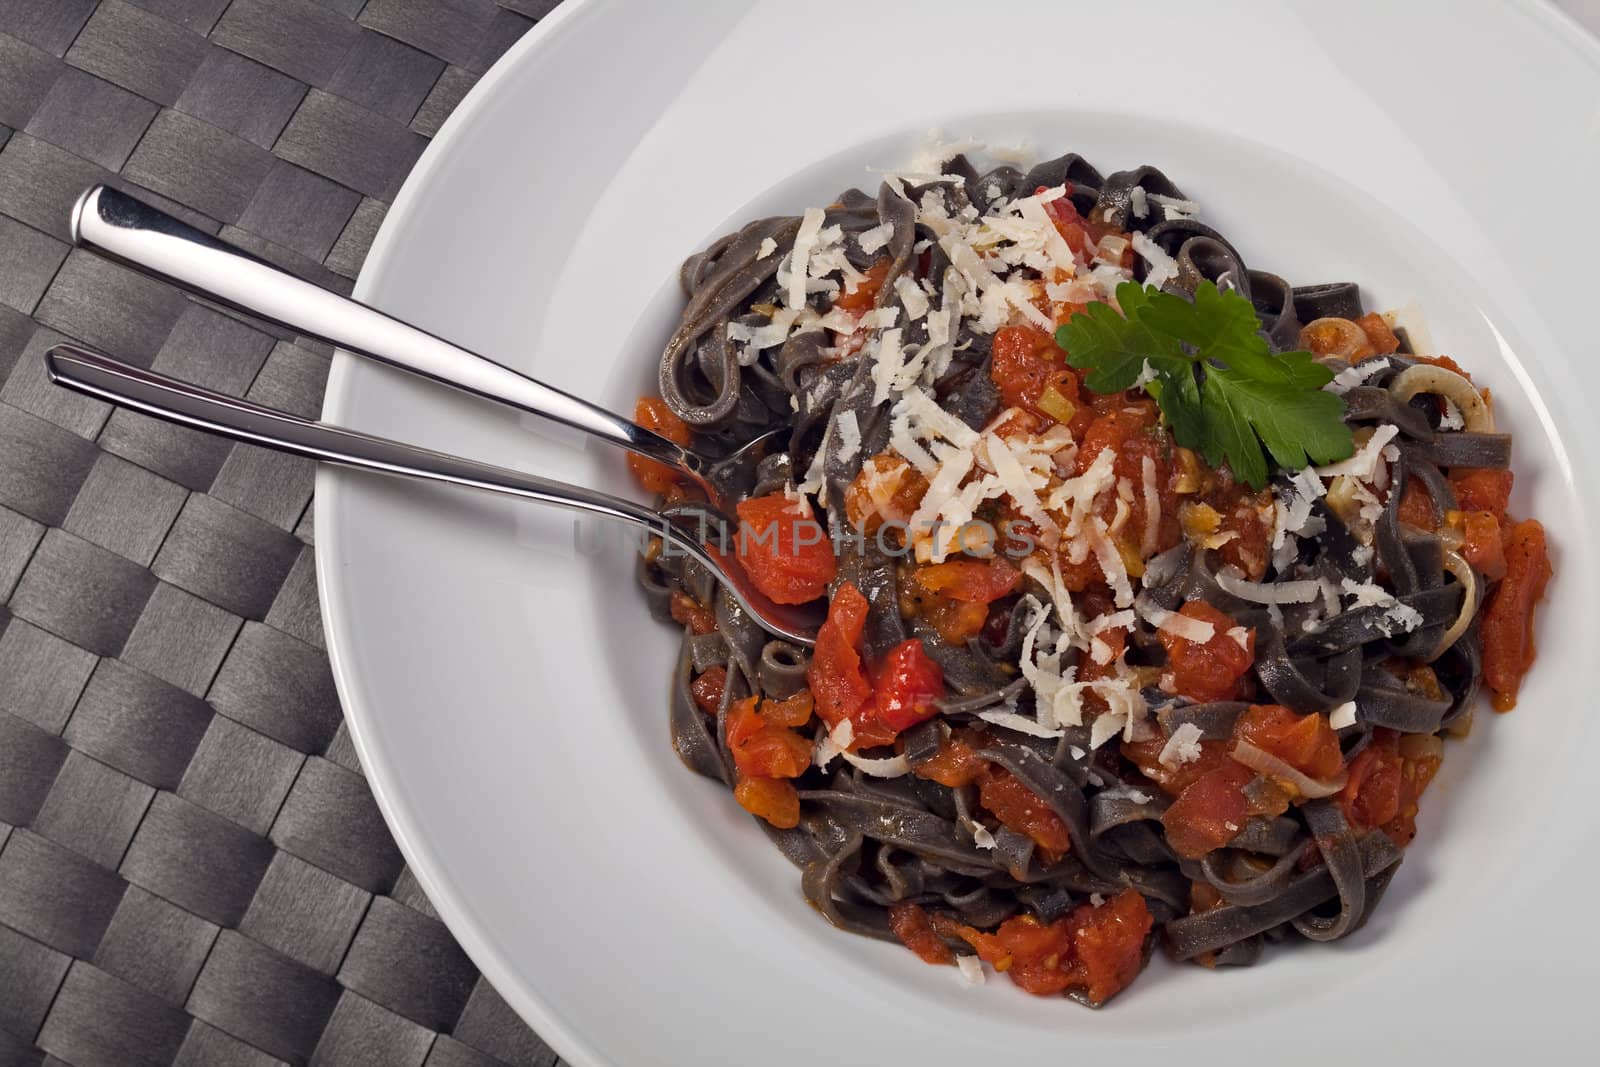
{"x": 1222, "y": 390}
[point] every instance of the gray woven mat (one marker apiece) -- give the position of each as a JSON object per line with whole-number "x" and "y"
{"x": 192, "y": 869}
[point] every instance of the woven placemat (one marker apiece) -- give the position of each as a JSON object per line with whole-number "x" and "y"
{"x": 192, "y": 868}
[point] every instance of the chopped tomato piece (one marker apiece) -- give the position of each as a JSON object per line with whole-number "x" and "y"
{"x": 1111, "y": 430}
{"x": 1064, "y": 214}
{"x": 1385, "y": 785}
{"x": 1482, "y": 490}
{"x": 972, "y": 581}
{"x": 866, "y": 291}
{"x": 1305, "y": 742}
{"x": 652, "y": 413}
{"x": 1248, "y": 516}
{"x": 1210, "y": 669}
{"x": 836, "y": 675}
{"x": 1416, "y": 505}
{"x": 1371, "y": 796}
{"x": 986, "y": 945}
{"x": 1210, "y": 812}
{"x": 707, "y": 689}
{"x": 794, "y": 710}
{"x": 1098, "y": 949}
{"x": 772, "y": 799}
{"x": 1483, "y": 543}
{"x": 905, "y": 685}
{"x": 1041, "y": 956}
{"x": 1508, "y": 646}
{"x": 888, "y": 489}
{"x": 910, "y": 923}
{"x": 1379, "y": 336}
{"x": 691, "y": 613}
{"x": 1025, "y": 362}
{"x": 785, "y": 549}
{"x": 1021, "y": 809}
{"x": 1146, "y": 755}
{"x": 955, "y": 596}
{"x": 1036, "y": 956}
{"x": 1448, "y": 364}
{"x": 1108, "y": 942}
{"x": 761, "y": 749}
{"x": 957, "y": 762}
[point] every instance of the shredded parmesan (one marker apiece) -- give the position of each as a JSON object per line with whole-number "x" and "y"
{"x": 1364, "y": 464}
{"x": 877, "y": 237}
{"x": 1182, "y": 747}
{"x": 805, "y": 239}
{"x": 1343, "y": 716}
{"x": 849, "y": 436}
{"x": 1020, "y": 723}
{"x": 970, "y": 969}
{"x": 1163, "y": 268}
{"x": 892, "y": 767}
{"x": 1139, "y": 202}
{"x": 1358, "y": 374}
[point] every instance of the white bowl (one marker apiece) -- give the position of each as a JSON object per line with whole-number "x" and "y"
{"x": 507, "y": 692}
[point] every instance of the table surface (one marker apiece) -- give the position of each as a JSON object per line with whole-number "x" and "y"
{"x": 192, "y": 869}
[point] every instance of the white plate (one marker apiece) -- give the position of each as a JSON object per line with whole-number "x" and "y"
{"x": 507, "y": 692}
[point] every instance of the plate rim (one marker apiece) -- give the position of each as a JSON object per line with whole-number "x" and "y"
{"x": 553, "y": 1028}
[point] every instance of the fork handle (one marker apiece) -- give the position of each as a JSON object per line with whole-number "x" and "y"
{"x": 139, "y": 235}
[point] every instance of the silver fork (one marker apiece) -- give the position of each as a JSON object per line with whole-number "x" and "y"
{"x": 241, "y": 420}
{"x": 131, "y": 232}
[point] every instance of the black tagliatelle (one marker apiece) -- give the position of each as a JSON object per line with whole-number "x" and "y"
{"x": 1354, "y": 601}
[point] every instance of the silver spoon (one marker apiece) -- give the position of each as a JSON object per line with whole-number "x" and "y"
{"x": 189, "y": 405}
{"x": 133, "y": 233}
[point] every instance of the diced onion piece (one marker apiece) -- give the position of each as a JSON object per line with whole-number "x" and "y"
{"x": 1300, "y": 592}
{"x": 1457, "y": 564}
{"x": 1058, "y": 407}
{"x": 1264, "y": 762}
{"x": 892, "y": 767}
{"x": 1333, "y": 336}
{"x": 1426, "y": 378}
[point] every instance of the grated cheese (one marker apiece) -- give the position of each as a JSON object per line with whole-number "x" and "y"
{"x": 1182, "y": 747}
{"x": 1364, "y": 464}
{"x": 1358, "y": 374}
{"x": 1020, "y": 723}
{"x": 891, "y": 767}
{"x": 912, "y": 296}
{"x": 871, "y": 240}
{"x": 843, "y": 733}
{"x": 1139, "y": 202}
{"x": 970, "y": 969}
{"x": 1163, "y": 268}
{"x": 1343, "y": 716}
{"x": 1452, "y": 418}
{"x": 766, "y": 248}
{"x": 799, "y": 258}
{"x": 849, "y": 437}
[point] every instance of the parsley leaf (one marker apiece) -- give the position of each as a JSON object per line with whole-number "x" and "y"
{"x": 1221, "y": 388}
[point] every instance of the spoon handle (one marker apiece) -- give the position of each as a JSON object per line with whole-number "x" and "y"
{"x": 136, "y": 234}
{"x": 167, "y": 398}
{"x": 241, "y": 420}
